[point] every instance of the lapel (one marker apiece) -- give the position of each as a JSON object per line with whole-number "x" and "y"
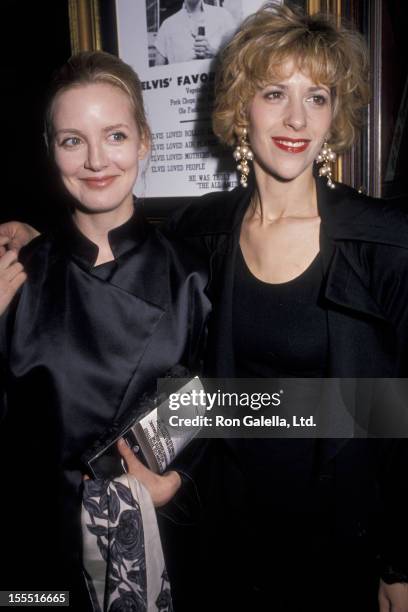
{"x": 343, "y": 287}
{"x": 145, "y": 277}
{"x": 143, "y": 273}
{"x": 347, "y": 220}
{"x": 343, "y": 219}
{"x": 222, "y": 273}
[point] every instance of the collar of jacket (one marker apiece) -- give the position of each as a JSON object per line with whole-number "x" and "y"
{"x": 122, "y": 239}
{"x": 142, "y": 258}
{"x": 347, "y": 218}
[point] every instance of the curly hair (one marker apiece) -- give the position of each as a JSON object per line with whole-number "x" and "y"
{"x": 331, "y": 55}
{"x": 97, "y": 67}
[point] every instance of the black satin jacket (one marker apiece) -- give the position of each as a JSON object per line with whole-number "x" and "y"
{"x": 364, "y": 249}
{"x": 78, "y": 347}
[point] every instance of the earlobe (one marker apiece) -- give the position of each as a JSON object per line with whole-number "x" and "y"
{"x": 144, "y": 149}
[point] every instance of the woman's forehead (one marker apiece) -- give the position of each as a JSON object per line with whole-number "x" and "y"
{"x": 314, "y": 69}
{"x": 97, "y": 89}
{"x": 92, "y": 99}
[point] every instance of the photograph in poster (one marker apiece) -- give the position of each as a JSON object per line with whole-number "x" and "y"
{"x": 172, "y": 45}
{"x": 196, "y": 31}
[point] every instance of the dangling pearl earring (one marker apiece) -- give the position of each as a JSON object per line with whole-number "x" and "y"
{"x": 326, "y": 157}
{"x": 242, "y": 154}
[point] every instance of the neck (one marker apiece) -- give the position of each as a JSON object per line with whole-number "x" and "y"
{"x": 96, "y": 227}
{"x": 275, "y": 199}
{"x": 193, "y": 9}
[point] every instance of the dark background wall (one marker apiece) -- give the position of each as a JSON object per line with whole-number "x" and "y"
{"x": 34, "y": 41}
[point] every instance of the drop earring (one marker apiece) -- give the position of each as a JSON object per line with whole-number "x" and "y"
{"x": 242, "y": 154}
{"x": 326, "y": 157}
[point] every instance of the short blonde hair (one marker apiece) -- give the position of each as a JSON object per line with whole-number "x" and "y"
{"x": 332, "y": 55}
{"x": 97, "y": 67}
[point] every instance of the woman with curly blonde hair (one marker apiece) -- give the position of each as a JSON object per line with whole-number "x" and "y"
{"x": 309, "y": 279}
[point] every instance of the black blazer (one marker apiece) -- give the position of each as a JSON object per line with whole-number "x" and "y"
{"x": 364, "y": 249}
{"x": 79, "y": 346}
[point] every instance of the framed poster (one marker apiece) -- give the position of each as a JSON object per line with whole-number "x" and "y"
{"x": 160, "y": 39}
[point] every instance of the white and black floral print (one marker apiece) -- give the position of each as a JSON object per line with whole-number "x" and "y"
{"x": 122, "y": 575}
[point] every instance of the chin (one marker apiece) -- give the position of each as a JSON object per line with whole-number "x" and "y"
{"x": 102, "y": 202}
{"x": 289, "y": 176}
{"x": 287, "y": 173}
{"x": 98, "y": 207}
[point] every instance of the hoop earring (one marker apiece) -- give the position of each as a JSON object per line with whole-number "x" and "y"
{"x": 242, "y": 154}
{"x": 326, "y": 157}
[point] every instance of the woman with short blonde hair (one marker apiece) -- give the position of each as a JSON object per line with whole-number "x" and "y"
{"x": 108, "y": 306}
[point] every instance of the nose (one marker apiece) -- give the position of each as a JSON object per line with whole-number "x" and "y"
{"x": 295, "y": 114}
{"x": 96, "y": 159}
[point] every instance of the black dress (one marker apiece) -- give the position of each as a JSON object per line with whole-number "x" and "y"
{"x": 78, "y": 347}
{"x": 287, "y": 533}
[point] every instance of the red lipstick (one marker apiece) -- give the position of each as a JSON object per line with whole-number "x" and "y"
{"x": 291, "y": 145}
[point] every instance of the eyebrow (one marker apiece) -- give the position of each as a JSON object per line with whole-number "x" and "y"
{"x": 319, "y": 88}
{"x": 115, "y": 127}
{"x": 311, "y": 89}
{"x": 105, "y": 129}
{"x": 68, "y": 131}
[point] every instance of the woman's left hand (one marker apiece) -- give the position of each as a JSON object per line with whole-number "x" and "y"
{"x": 162, "y": 488}
{"x": 15, "y": 235}
{"x": 12, "y": 276}
{"x": 393, "y": 597}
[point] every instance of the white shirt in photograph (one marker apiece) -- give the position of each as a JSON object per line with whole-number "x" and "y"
{"x": 175, "y": 39}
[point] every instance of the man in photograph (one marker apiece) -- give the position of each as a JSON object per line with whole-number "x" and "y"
{"x": 197, "y": 31}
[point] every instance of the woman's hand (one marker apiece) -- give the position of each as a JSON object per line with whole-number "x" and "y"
{"x": 15, "y": 235}
{"x": 393, "y": 597}
{"x": 12, "y": 276}
{"x": 162, "y": 488}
